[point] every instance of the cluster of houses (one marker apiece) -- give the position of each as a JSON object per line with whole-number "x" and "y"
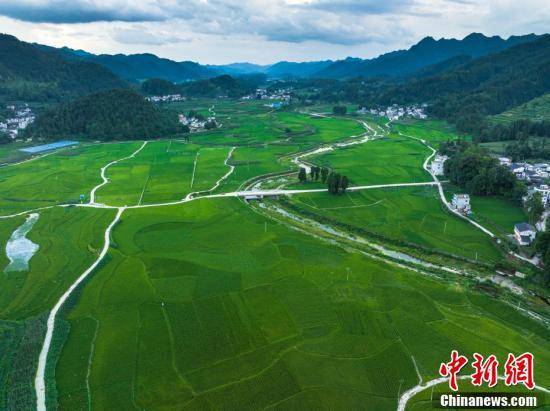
{"x": 196, "y": 124}
{"x": 530, "y": 173}
{"x": 395, "y": 112}
{"x": 535, "y": 177}
{"x": 166, "y": 98}
{"x": 283, "y": 94}
{"x": 20, "y": 118}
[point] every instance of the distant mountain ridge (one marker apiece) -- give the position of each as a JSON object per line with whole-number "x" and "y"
{"x": 138, "y": 67}
{"x": 425, "y": 53}
{"x": 402, "y": 63}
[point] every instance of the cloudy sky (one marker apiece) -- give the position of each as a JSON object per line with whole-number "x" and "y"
{"x": 263, "y": 31}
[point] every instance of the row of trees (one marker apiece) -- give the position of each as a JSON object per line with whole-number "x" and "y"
{"x": 526, "y": 148}
{"x": 336, "y": 183}
{"x": 315, "y": 173}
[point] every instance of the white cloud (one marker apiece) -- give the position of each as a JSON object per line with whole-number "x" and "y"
{"x": 218, "y": 31}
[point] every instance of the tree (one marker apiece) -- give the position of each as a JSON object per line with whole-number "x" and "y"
{"x": 336, "y": 182}
{"x": 339, "y": 110}
{"x": 210, "y": 125}
{"x": 324, "y": 174}
{"x": 332, "y": 183}
{"x": 344, "y": 184}
{"x": 534, "y": 207}
{"x": 542, "y": 245}
{"x": 302, "y": 176}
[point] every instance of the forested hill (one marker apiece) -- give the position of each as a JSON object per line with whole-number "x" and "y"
{"x": 427, "y": 52}
{"x": 224, "y": 85}
{"x": 485, "y": 86}
{"x": 30, "y": 74}
{"x": 119, "y": 114}
{"x": 139, "y": 67}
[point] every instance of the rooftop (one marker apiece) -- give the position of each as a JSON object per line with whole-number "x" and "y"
{"x": 524, "y": 227}
{"x": 50, "y": 146}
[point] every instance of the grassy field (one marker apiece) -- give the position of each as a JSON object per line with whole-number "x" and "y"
{"x": 496, "y": 213}
{"x": 163, "y": 171}
{"x": 252, "y": 123}
{"x": 58, "y": 178}
{"x": 410, "y": 215}
{"x": 69, "y": 240}
{"x": 211, "y": 306}
{"x": 433, "y": 131}
{"x": 537, "y": 109}
{"x": 250, "y": 162}
{"x": 389, "y": 160}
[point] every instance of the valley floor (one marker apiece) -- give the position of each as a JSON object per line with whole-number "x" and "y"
{"x": 164, "y": 286}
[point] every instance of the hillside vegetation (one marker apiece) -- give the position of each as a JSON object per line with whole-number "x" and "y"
{"x": 30, "y": 74}
{"x": 112, "y": 115}
{"x": 537, "y": 109}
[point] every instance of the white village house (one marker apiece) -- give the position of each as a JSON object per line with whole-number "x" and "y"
{"x": 437, "y": 165}
{"x": 544, "y": 191}
{"x": 525, "y": 233}
{"x": 505, "y": 161}
{"x": 461, "y": 203}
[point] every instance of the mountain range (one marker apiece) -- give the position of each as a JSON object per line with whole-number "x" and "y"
{"x": 401, "y": 63}
{"x": 28, "y": 73}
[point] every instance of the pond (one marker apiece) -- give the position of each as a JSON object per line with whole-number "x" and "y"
{"x": 19, "y": 248}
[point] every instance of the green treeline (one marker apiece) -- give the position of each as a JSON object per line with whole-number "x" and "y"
{"x": 224, "y": 85}
{"x": 120, "y": 114}
{"x": 470, "y": 167}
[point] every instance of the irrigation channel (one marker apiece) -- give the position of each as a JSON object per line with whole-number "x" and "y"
{"x": 387, "y": 255}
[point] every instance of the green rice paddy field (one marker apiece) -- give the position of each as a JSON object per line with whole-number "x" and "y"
{"x": 211, "y": 305}
{"x": 409, "y": 214}
{"x": 206, "y": 306}
{"x": 388, "y": 160}
{"x": 163, "y": 171}
{"x": 69, "y": 240}
{"x": 57, "y": 178}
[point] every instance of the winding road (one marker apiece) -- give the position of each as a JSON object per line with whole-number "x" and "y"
{"x": 39, "y": 381}
{"x": 40, "y": 384}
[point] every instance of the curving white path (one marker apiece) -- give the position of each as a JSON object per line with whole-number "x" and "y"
{"x": 39, "y": 381}
{"x": 407, "y": 395}
{"x": 104, "y": 168}
{"x": 440, "y": 187}
{"x": 190, "y": 196}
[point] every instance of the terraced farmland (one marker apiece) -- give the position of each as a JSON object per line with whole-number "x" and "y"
{"x": 211, "y": 302}
{"x": 408, "y": 215}
{"x": 269, "y": 318}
